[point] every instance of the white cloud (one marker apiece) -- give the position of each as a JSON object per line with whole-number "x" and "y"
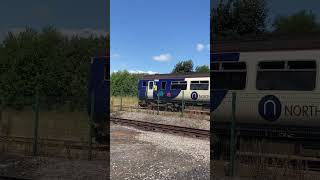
{"x": 135, "y": 72}
{"x": 200, "y": 47}
{"x": 142, "y": 72}
{"x": 115, "y": 55}
{"x": 162, "y": 57}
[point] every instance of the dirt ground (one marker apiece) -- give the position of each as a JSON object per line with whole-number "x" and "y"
{"x": 42, "y": 168}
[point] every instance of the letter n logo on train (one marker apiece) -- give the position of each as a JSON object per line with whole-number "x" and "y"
{"x": 270, "y": 108}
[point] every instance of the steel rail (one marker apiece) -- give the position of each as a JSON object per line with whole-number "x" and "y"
{"x": 186, "y": 131}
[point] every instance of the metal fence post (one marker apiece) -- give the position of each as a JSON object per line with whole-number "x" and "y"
{"x": 158, "y": 103}
{"x": 232, "y": 135}
{"x": 182, "y": 109}
{"x": 36, "y": 123}
{"x": 121, "y": 102}
{"x": 90, "y": 125}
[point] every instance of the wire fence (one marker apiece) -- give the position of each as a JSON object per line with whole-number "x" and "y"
{"x": 266, "y": 132}
{"x": 181, "y": 107}
{"x": 37, "y": 122}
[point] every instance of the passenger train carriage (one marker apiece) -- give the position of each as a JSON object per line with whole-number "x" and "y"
{"x": 277, "y": 95}
{"x": 171, "y": 89}
{"x": 98, "y": 97}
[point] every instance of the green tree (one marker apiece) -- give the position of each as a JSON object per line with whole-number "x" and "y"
{"x": 124, "y": 83}
{"x": 183, "y": 66}
{"x": 300, "y": 22}
{"x": 202, "y": 69}
{"x": 48, "y": 60}
{"x": 235, "y": 19}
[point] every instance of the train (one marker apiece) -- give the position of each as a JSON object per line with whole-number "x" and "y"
{"x": 276, "y": 95}
{"x": 175, "y": 91}
{"x": 98, "y": 97}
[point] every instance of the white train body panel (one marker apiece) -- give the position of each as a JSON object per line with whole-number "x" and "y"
{"x": 297, "y": 108}
{"x": 203, "y": 95}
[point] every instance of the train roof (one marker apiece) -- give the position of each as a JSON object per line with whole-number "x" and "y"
{"x": 310, "y": 41}
{"x": 174, "y": 75}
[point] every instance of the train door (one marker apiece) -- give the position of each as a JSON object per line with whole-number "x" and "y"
{"x": 150, "y": 89}
{"x": 98, "y": 95}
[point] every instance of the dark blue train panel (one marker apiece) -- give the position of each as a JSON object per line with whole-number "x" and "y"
{"x": 163, "y": 88}
{"x": 99, "y": 82}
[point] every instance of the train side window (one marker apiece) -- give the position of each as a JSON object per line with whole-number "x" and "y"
{"x": 179, "y": 85}
{"x": 295, "y": 76}
{"x": 232, "y": 76}
{"x": 151, "y": 85}
{"x": 272, "y": 65}
{"x": 144, "y": 83}
{"x": 163, "y": 85}
{"x": 199, "y": 85}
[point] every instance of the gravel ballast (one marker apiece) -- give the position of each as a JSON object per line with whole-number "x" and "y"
{"x": 199, "y": 123}
{"x": 146, "y": 155}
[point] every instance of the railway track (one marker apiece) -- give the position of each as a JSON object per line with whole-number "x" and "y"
{"x": 138, "y": 108}
{"x": 185, "y": 131}
{"x": 69, "y": 144}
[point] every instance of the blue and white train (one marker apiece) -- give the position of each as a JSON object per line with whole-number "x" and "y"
{"x": 277, "y": 95}
{"x": 173, "y": 89}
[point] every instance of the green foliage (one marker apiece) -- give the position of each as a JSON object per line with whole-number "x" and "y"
{"x": 233, "y": 19}
{"x": 124, "y": 83}
{"x": 202, "y": 69}
{"x": 300, "y": 22}
{"x": 183, "y": 66}
{"x": 49, "y": 61}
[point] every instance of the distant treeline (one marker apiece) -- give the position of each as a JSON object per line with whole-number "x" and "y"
{"x": 247, "y": 19}
{"x": 124, "y": 83}
{"x": 48, "y": 62}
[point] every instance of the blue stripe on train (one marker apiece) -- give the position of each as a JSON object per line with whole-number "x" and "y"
{"x": 219, "y": 94}
{"x": 167, "y": 93}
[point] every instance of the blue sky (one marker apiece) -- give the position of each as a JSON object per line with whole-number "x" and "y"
{"x": 71, "y": 16}
{"x": 154, "y": 35}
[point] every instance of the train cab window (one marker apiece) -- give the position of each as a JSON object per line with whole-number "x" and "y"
{"x": 179, "y": 85}
{"x": 294, "y": 76}
{"x": 151, "y": 85}
{"x": 163, "y": 85}
{"x": 229, "y": 75}
{"x": 144, "y": 83}
{"x": 199, "y": 85}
